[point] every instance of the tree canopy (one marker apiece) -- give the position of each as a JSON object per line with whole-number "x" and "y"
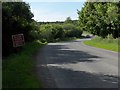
{"x": 68, "y": 20}
{"x": 100, "y": 18}
{"x": 16, "y": 19}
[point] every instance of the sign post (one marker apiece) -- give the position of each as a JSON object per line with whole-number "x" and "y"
{"x": 18, "y": 40}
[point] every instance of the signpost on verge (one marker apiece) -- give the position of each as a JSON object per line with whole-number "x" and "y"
{"x": 18, "y": 40}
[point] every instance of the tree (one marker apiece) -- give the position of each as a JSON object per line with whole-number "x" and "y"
{"x": 100, "y": 18}
{"x": 51, "y": 32}
{"x": 16, "y": 18}
{"x": 68, "y": 20}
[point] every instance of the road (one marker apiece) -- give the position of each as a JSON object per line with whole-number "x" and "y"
{"x": 72, "y": 64}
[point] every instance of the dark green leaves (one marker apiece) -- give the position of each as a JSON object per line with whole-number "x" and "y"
{"x": 100, "y": 18}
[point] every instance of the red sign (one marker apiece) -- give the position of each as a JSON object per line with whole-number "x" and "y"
{"x": 18, "y": 40}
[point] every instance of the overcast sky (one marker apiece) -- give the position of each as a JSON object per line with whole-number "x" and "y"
{"x": 55, "y": 11}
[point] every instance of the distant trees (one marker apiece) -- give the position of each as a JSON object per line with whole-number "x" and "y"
{"x": 51, "y": 32}
{"x": 58, "y": 31}
{"x": 68, "y": 20}
{"x": 71, "y": 28}
{"x": 100, "y": 18}
{"x": 16, "y": 18}
{"x": 56, "y": 22}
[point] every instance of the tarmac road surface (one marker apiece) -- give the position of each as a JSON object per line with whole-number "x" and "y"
{"x": 72, "y": 64}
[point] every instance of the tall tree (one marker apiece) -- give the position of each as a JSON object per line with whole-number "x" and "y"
{"x": 68, "y": 20}
{"x": 16, "y": 18}
{"x": 100, "y": 18}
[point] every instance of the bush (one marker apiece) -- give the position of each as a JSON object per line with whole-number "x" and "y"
{"x": 46, "y": 32}
{"x": 15, "y": 21}
{"x": 57, "y": 32}
{"x": 51, "y": 32}
{"x": 72, "y": 31}
{"x": 43, "y": 40}
{"x": 69, "y": 26}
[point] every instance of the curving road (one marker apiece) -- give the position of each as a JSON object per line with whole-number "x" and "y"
{"x": 75, "y": 65}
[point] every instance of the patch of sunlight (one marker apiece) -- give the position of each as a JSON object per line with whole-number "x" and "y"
{"x": 58, "y": 43}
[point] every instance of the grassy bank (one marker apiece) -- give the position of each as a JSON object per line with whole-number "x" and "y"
{"x": 109, "y": 44}
{"x": 18, "y": 68}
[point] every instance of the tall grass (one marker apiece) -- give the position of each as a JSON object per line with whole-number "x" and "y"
{"x": 17, "y": 68}
{"x": 107, "y": 43}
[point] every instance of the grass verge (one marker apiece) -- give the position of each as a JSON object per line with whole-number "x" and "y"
{"x": 18, "y": 68}
{"x": 108, "y": 44}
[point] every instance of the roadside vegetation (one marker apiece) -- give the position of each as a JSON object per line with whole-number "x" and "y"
{"x": 18, "y": 69}
{"x": 54, "y": 32}
{"x": 98, "y": 18}
{"x": 109, "y": 44}
{"x": 18, "y": 63}
{"x": 101, "y": 19}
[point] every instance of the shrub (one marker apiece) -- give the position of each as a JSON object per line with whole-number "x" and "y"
{"x": 72, "y": 31}
{"x": 51, "y": 32}
{"x": 15, "y": 21}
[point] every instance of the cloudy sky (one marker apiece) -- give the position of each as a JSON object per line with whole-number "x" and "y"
{"x": 55, "y": 11}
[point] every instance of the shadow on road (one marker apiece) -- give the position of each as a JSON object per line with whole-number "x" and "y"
{"x": 53, "y": 76}
{"x": 59, "y": 54}
{"x": 82, "y": 79}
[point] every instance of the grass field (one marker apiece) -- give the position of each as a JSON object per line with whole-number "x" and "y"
{"x": 18, "y": 68}
{"x": 109, "y": 44}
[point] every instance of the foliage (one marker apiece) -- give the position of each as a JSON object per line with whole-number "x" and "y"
{"x": 17, "y": 68}
{"x": 51, "y": 32}
{"x": 71, "y": 28}
{"x": 16, "y": 19}
{"x": 57, "y": 32}
{"x": 68, "y": 20}
{"x": 35, "y": 32}
{"x": 46, "y": 31}
{"x": 100, "y": 18}
{"x": 72, "y": 31}
{"x": 68, "y": 26}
